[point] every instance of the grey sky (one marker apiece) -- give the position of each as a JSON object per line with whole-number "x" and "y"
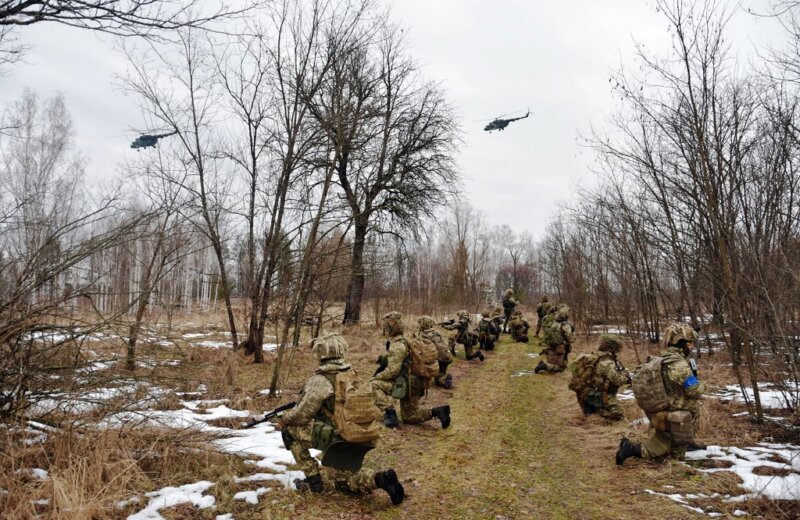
{"x": 492, "y": 58}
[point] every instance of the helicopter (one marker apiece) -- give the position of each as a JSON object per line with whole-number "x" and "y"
{"x": 147, "y": 141}
{"x": 499, "y": 123}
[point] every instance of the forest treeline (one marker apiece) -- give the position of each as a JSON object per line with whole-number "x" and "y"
{"x": 311, "y": 178}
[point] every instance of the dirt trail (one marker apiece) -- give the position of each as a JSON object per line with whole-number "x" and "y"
{"x": 518, "y": 448}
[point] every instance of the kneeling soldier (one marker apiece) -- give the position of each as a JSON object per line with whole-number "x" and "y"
{"x": 316, "y": 408}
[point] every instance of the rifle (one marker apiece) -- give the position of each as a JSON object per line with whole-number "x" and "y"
{"x": 271, "y": 415}
{"x": 383, "y": 362}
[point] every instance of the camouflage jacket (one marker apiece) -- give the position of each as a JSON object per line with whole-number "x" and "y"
{"x": 608, "y": 376}
{"x": 542, "y": 309}
{"x": 442, "y": 352}
{"x": 520, "y": 324}
{"x": 509, "y": 302}
{"x": 397, "y": 354}
{"x": 317, "y": 391}
{"x": 558, "y": 333}
{"x": 680, "y": 382}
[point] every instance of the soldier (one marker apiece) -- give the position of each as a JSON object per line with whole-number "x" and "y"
{"x": 488, "y": 332}
{"x": 608, "y": 375}
{"x": 558, "y": 337}
{"x": 673, "y": 429}
{"x": 541, "y": 311}
{"x": 428, "y": 331}
{"x": 509, "y": 303}
{"x": 518, "y": 326}
{"x": 317, "y": 406}
{"x": 497, "y": 319}
{"x": 395, "y": 381}
{"x": 464, "y": 335}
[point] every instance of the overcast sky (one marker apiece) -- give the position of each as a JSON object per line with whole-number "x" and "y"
{"x": 492, "y": 58}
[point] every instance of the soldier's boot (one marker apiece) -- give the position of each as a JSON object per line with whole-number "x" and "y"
{"x": 390, "y": 419}
{"x": 696, "y": 446}
{"x": 540, "y": 367}
{"x": 443, "y": 414}
{"x": 448, "y": 382}
{"x": 312, "y": 484}
{"x": 628, "y": 448}
{"x": 387, "y": 481}
{"x": 441, "y": 380}
{"x": 480, "y": 356}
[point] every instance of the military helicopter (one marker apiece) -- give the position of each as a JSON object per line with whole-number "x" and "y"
{"x": 499, "y": 123}
{"x": 147, "y": 141}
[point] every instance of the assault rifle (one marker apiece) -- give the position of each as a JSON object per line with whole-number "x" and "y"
{"x": 383, "y": 362}
{"x": 271, "y": 415}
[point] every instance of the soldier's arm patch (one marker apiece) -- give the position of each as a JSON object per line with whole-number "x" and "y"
{"x": 691, "y": 381}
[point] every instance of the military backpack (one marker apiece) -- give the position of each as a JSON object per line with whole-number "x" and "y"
{"x": 355, "y": 416}
{"x": 648, "y": 386}
{"x": 582, "y": 369}
{"x": 424, "y": 358}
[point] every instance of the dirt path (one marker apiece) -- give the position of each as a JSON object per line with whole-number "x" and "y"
{"x": 518, "y": 448}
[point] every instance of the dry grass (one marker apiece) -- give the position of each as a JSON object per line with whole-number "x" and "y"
{"x": 518, "y": 446}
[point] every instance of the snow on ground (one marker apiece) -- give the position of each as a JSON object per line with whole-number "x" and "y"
{"x": 172, "y": 496}
{"x": 785, "y": 458}
{"x": 262, "y": 446}
{"x": 267, "y": 347}
{"x": 770, "y": 397}
{"x": 251, "y": 497}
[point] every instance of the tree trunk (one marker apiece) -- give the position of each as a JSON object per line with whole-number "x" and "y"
{"x": 355, "y": 288}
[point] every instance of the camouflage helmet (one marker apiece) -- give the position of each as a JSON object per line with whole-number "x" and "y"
{"x": 497, "y": 312}
{"x": 517, "y": 312}
{"x": 329, "y": 346}
{"x": 508, "y": 292}
{"x": 553, "y": 309}
{"x": 393, "y": 323}
{"x": 545, "y": 298}
{"x": 563, "y": 312}
{"x": 426, "y": 322}
{"x": 675, "y": 332}
{"x": 462, "y": 314}
{"x": 610, "y": 343}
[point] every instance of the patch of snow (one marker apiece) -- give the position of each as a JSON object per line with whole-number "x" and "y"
{"x": 643, "y": 421}
{"x": 122, "y": 504}
{"x": 677, "y": 498}
{"x": 195, "y": 335}
{"x": 172, "y": 496}
{"x": 41, "y": 502}
{"x": 739, "y": 512}
{"x": 625, "y": 395}
{"x": 770, "y": 398}
{"x": 226, "y": 516}
{"x": 745, "y": 460}
{"x": 34, "y": 473}
{"x": 251, "y": 497}
{"x": 214, "y": 344}
{"x": 523, "y": 373}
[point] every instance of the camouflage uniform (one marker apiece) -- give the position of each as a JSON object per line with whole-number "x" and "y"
{"x": 427, "y": 331}
{"x": 518, "y": 327}
{"x": 296, "y": 425}
{"x": 558, "y": 337}
{"x": 497, "y": 319}
{"x": 608, "y": 376}
{"x": 684, "y": 389}
{"x": 464, "y": 335}
{"x": 487, "y": 331}
{"x": 509, "y": 304}
{"x": 541, "y": 311}
{"x": 398, "y": 367}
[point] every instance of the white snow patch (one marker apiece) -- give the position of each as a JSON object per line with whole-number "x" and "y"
{"x": 122, "y": 504}
{"x": 195, "y": 335}
{"x": 172, "y": 496}
{"x": 770, "y": 397}
{"x": 745, "y": 460}
{"x": 251, "y": 497}
{"x": 625, "y": 395}
{"x": 226, "y": 516}
{"x": 739, "y": 512}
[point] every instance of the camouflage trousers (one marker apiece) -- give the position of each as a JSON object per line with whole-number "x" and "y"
{"x": 442, "y": 375}
{"x": 538, "y": 327}
{"x": 661, "y": 443}
{"x": 469, "y": 350}
{"x": 611, "y": 411}
{"x": 410, "y": 412}
{"x": 556, "y": 361}
{"x": 298, "y": 439}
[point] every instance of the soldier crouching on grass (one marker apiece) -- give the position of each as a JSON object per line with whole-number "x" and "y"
{"x": 395, "y": 381}
{"x": 303, "y": 426}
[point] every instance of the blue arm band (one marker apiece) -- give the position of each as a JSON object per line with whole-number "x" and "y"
{"x": 691, "y": 381}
